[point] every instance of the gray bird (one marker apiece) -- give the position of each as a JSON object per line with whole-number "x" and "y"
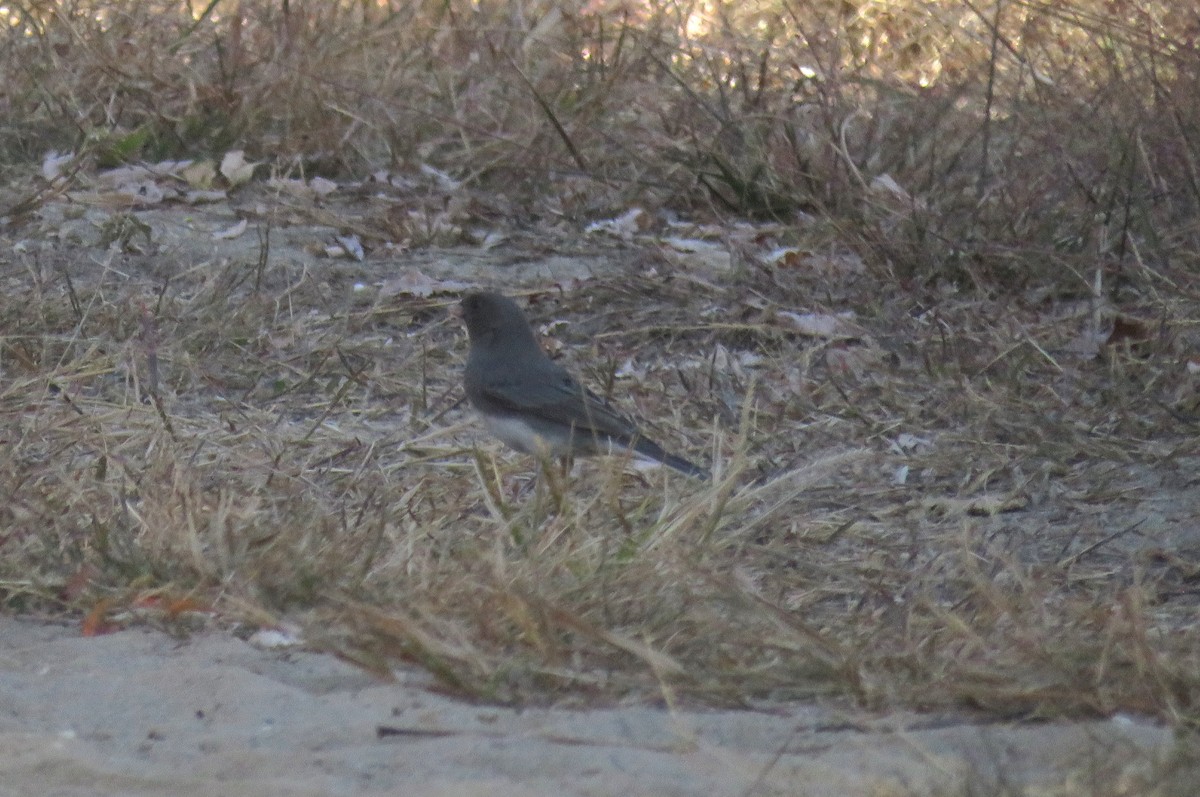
{"x": 533, "y": 404}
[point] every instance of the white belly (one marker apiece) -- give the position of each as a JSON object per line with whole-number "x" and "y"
{"x": 523, "y": 438}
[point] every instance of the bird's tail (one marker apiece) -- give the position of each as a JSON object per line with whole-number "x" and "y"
{"x": 648, "y": 448}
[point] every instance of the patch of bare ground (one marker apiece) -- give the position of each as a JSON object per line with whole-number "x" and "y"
{"x": 137, "y": 712}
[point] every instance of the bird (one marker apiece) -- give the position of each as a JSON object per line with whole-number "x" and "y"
{"x": 533, "y": 404}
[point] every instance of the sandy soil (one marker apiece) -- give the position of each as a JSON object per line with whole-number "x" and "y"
{"x": 139, "y": 712}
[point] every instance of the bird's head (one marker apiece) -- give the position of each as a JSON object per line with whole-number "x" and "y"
{"x": 493, "y": 318}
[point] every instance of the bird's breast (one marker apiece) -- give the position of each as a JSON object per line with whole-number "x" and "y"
{"x": 522, "y": 436}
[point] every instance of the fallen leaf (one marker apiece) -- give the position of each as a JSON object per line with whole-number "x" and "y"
{"x": 235, "y": 168}
{"x": 624, "y": 226}
{"x": 819, "y": 325}
{"x": 322, "y": 187}
{"x": 788, "y": 256}
{"x": 204, "y": 197}
{"x": 276, "y": 638}
{"x": 178, "y": 606}
{"x": 489, "y": 239}
{"x": 905, "y": 443}
{"x": 199, "y": 175}
{"x": 96, "y": 623}
{"x": 416, "y": 283}
{"x": 54, "y": 164}
{"x": 230, "y": 233}
{"x": 1130, "y": 330}
{"x": 351, "y": 246}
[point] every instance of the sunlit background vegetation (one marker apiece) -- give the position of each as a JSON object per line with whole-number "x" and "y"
{"x": 980, "y": 140}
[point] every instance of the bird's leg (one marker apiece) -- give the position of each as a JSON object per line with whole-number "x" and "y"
{"x": 551, "y": 483}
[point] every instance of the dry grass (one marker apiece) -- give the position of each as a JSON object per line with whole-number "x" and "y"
{"x": 939, "y": 138}
{"x": 304, "y": 459}
{"x": 954, "y": 506}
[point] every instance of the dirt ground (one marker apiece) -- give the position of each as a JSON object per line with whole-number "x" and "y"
{"x": 140, "y": 713}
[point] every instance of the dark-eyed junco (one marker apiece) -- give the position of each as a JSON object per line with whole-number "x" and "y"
{"x": 533, "y": 404}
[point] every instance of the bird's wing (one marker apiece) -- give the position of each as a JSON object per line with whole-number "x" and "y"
{"x": 552, "y": 394}
{"x": 549, "y": 393}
